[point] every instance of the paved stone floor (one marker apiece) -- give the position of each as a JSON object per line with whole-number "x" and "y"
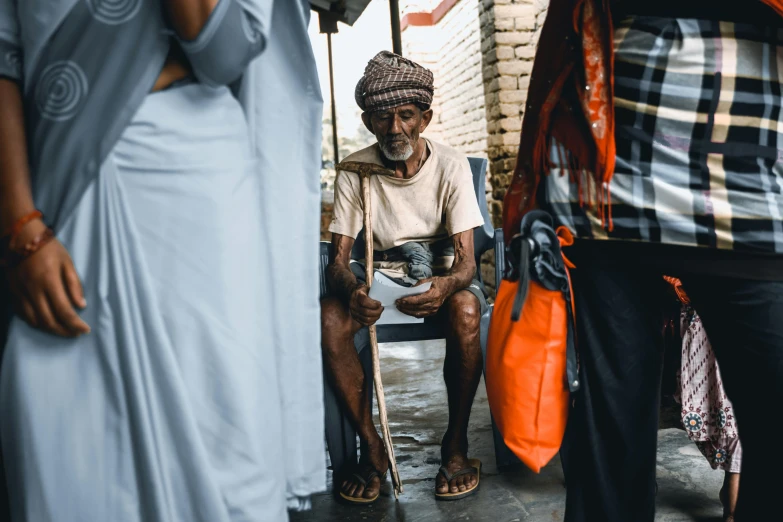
{"x": 416, "y": 395}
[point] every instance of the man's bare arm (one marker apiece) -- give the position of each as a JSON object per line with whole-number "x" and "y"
{"x": 341, "y": 279}
{"x": 348, "y": 289}
{"x": 464, "y": 268}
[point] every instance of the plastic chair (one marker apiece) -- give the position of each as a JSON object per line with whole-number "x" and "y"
{"x": 340, "y": 434}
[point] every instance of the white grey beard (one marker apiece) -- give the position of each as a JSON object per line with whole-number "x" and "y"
{"x": 397, "y": 156}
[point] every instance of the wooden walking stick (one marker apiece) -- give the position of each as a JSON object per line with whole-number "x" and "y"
{"x": 365, "y": 170}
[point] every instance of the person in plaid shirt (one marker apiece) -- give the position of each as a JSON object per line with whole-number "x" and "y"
{"x": 653, "y": 131}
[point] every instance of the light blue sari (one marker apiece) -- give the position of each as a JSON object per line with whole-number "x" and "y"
{"x": 197, "y": 396}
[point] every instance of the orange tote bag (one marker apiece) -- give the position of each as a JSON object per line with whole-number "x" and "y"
{"x": 531, "y": 365}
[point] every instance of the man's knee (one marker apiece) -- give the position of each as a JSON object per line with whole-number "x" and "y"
{"x": 336, "y": 323}
{"x": 464, "y": 313}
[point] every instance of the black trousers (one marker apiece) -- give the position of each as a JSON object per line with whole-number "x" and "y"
{"x": 609, "y": 452}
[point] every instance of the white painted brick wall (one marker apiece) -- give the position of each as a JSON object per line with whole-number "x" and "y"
{"x": 417, "y": 6}
{"x": 452, "y": 50}
{"x": 482, "y": 55}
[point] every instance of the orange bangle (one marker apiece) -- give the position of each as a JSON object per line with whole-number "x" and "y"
{"x": 20, "y": 223}
{"x": 16, "y": 256}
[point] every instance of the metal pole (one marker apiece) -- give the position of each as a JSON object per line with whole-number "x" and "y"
{"x": 394, "y": 8}
{"x": 334, "y": 107}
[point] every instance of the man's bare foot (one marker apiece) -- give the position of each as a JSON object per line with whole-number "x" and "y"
{"x": 456, "y": 462}
{"x": 372, "y": 467}
{"x": 728, "y": 495}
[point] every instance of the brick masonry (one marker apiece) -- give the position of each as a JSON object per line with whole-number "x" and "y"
{"x": 509, "y": 33}
{"x": 482, "y": 55}
{"x": 509, "y": 37}
{"x": 452, "y": 49}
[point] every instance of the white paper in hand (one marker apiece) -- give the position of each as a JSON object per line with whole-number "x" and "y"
{"x": 386, "y": 291}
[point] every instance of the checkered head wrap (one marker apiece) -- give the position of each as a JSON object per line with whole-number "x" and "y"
{"x": 390, "y": 81}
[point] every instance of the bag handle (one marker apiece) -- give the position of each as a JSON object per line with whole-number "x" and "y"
{"x": 524, "y": 280}
{"x": 566, "y": 238}
{"x": 527, "y": 246}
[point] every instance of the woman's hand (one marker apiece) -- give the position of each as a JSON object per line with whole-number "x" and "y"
{"x": 45, "y": 288}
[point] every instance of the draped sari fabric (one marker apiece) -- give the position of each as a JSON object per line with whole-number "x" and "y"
{"x": 285, "y": 118}
{"x": 197, "y": 396}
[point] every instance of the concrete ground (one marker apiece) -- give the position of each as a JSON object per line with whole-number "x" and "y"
{"x": 416, "y": 398}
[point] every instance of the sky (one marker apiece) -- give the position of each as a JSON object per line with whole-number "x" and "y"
{"x": 352, "y": 48}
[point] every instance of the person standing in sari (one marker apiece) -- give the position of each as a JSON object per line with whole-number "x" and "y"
{"x": 147, "y": 375}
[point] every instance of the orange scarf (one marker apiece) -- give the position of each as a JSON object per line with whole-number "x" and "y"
{"x": 571, "y": 101}
{"x": 777, "y": 5}
{"x": 677, "y": 287}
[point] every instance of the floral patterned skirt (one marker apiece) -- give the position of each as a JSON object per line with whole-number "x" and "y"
{"x": 707, "y": 414}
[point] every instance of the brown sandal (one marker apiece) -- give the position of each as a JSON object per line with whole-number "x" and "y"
{"x": 364, "y": 477}
{"x": 474, "y": 467}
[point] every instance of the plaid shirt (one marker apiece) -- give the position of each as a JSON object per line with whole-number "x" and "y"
{"x": 699, "y": 126}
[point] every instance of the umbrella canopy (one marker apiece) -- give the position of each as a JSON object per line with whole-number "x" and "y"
{"x": 347, "y": 11}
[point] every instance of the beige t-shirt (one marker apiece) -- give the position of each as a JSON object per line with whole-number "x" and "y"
{"x": 436, "y": 203}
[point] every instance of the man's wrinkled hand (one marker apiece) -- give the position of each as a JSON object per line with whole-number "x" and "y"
{"x": 364, "y": 310}
{"x": 428, "y": 303}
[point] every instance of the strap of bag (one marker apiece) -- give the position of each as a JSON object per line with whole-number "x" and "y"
{"x": 524, "y": 279}
{"x": 572, "y": 357}
{"x": 572, "y": 360}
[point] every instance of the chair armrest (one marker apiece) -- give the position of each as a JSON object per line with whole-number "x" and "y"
{"x": 323, "y": 261}
{"x": 500, "y": 256}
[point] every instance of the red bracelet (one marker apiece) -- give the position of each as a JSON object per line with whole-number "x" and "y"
{"x": 13, "y": 257}
{"x": 20, "y": 223}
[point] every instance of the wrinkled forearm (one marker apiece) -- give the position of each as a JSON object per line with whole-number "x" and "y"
{"x": 460, "y": 276}
{"x": 464, "y": 268}
{"x": 16, "y": 198}
{"x": 342, "y": 281}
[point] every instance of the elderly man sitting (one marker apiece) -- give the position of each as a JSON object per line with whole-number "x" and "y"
{"x": 423, "y": 221}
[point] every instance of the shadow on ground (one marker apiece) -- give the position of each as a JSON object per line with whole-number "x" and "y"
{"x": 416, "y": 398}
